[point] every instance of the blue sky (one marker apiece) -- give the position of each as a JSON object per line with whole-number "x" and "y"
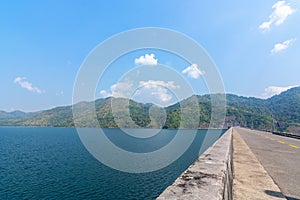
{"x": 254, "y": 44}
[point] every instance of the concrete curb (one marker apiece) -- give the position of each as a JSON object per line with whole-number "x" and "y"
{"x": 287, "y": 135}
{"x": 210, "y": 177}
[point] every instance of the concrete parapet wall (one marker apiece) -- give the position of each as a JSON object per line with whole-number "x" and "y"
{"x": 287, "y": 135}
{"x": 209, "y": 177}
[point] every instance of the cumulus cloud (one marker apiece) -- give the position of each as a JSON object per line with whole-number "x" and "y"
{"x": 162, "y": 94}
{"x": 273, "y": 90}
{"x": 157, "y": 91}
{"x": 282, "y": 46}
{"x": 22, "y": 81}
{"x": 154, "y": 91}
{"x": 121, "y": 89}
{"x": 105, "y": 94}
{"x": 147, "y": 59}
{"x": 193, "y": 71}
{"x": 281, "y": 11}
{"x": 155, "y": 84}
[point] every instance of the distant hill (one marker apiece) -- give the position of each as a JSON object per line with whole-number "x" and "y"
{"x": 241, "y": 111}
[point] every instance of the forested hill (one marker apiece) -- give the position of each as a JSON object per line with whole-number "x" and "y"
{"x": 257, "y": 113}
{"x": 241, "y": 111}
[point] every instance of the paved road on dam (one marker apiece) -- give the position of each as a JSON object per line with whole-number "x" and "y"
{"x": 280, "y": 156}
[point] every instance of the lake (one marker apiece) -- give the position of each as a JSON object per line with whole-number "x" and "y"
{"x": 52, "y": 163}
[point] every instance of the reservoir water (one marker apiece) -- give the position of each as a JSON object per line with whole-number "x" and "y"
{"x": 52, "y": 163}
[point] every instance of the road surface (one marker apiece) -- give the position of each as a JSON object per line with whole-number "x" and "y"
{"x": 280, "y": 156}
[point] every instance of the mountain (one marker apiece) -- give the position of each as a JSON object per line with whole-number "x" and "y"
{"x": 243, "y": 111}
{"x": 14, "y": 114}
{"x": 257, "y": 113}
{"x": 286, "y": 109}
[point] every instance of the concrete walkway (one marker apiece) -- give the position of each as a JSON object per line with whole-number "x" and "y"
{"x": 250, "y": 179}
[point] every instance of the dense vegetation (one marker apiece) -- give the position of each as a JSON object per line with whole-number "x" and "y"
{"x": 241, "y": 111}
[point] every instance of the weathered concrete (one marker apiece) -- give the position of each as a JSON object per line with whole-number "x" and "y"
{"x": 251, "y": 181}
{"x": 210, "y": 177}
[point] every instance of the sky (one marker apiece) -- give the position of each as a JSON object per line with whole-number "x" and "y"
{"x": 255, "y": 46}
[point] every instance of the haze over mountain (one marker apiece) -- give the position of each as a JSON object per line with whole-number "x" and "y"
{"x": 241, "y": 111}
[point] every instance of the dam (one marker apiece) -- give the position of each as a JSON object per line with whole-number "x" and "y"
{"x": 242, "y": 164}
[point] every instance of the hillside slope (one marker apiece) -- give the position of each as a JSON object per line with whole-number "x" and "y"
{"x": 241, "y": 111}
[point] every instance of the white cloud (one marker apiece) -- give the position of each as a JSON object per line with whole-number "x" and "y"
{"x": 147, "y": 59}
{"x": 121, "y": 89}
{"x": 105, "y": 94}
{"x": 22, "y": 81}
{"x": 282, "y": 46}
{"x": 162, "y": 94}
{"x": 155, "y": 84}
{"x": 193, "y": 71}
{"x": 157, "y": 91}
{"x": 151, "y": 91}
{"x": 273, "y": 90}
{"x": 281, "y": 11}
